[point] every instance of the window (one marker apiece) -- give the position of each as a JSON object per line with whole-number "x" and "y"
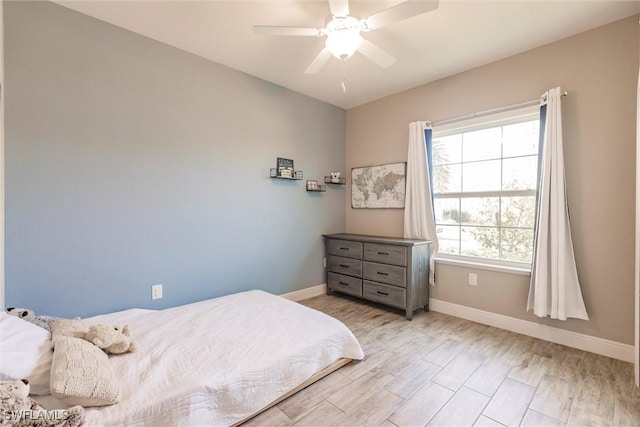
{"x": 484, "y": 185}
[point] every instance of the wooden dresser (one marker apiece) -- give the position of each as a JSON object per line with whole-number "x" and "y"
{"x": 391, "y": 271}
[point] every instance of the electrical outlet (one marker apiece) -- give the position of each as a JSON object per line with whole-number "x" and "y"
{"x": 156, "y": 292}
{"x": 324, "y": 262}
{"x": 473, "y": 279}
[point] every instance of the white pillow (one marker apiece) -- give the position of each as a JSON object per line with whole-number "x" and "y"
{"x": 25, "y": 352}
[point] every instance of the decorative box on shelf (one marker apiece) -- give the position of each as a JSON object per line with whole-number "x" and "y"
{"x": 312, "y": 185}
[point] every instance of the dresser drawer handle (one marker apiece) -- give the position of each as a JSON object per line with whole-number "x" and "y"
{"x": 383, "y": 274}
{"x": 344, "y": 266}
{"x": 383, "y": 293}
{"x": 383, "y": 253}
{"x": 344, "y": 284}
{"x": 344, "y": 249}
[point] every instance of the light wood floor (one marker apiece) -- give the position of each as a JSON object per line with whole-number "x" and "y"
{"x": 441, "y": 370}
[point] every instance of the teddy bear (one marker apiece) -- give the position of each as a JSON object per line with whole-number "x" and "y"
{"x": 111, "y": 339}
{"x": 17, "y": 409}
{"x": 30, "y": 316}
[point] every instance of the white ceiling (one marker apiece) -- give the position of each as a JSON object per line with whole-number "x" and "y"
{"x": 458, "y": 36}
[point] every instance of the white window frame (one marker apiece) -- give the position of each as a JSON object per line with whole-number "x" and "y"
{"x": 478, "y": 123}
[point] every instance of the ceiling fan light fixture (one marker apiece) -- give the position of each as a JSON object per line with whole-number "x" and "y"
{"x": 343, "y": 36}
{"x": 344, "y": 44}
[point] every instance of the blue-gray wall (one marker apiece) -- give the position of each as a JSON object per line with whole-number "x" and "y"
{"x": 131, "y": 163}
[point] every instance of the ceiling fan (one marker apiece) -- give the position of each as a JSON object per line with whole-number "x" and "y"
{"x": 343, "y": 31}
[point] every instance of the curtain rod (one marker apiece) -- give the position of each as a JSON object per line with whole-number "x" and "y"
{"x": 492, "y": 111}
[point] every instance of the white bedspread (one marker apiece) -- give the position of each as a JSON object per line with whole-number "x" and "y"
{"x": 217, "y": 361}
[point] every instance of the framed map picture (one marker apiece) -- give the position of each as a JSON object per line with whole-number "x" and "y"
{"x": 378, "y": 186}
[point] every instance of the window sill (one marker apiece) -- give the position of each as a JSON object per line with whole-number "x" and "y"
{"x": 483, "y": 266}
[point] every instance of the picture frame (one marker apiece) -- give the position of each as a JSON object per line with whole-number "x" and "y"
{"x": 284, "y": 167}
{"x": 379, "y": 187}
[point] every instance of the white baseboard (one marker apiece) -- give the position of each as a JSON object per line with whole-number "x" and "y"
{"x": 596, "y": 345}
{"x": 584, "y": 342}
{"x": 305, "y": 293}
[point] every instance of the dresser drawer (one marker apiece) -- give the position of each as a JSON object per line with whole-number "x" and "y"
{"x": 344, "y": 248}
{"x": 390, "y": 274}
{"x": 348, "y": 266}
{"x": 389, "y": 295}
{"x": 345, "y": 284}
{"x": 387, "y": 254}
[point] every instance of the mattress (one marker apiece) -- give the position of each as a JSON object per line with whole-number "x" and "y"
{"x": 218, "y": 361}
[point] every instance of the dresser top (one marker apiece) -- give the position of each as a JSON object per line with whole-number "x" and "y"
{"x": 377, "y": 239}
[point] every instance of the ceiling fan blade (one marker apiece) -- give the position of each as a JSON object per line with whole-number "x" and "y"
{"x": 318, "y": 62}
{"x": 376, "y": 54}
{"x": 287, "y": 31}
{"x": 399, "y": 12}
{"x": 339, "y": 7}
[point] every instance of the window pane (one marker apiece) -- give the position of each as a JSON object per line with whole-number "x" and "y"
{"x": 517, "y": 244}
{"x": 447, "y": 178}
{"x": 481, "y": 176}
{"x": 448, "y": 239}
{"x": 447, "y": 211}
{"x": 519, "y": 173}
{"x": 493, "y": 160}
{"x": 480, "y": 211}
{"x": 482, "y": 144}
{"x": 520, "y": 139}
{"x": 480, "y": 242}
{"x": 518, "y": 211}
{"x": 447, "y": 149}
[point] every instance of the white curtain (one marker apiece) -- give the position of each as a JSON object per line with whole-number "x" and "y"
{"x": 419, "y": 222}
{"x": 554, "y": 290}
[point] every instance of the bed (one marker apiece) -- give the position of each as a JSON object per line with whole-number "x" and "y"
{"x": 218, "y": 362}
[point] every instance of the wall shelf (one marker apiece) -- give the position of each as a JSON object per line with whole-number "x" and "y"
{"x": 321, "y": 188}
{"x": 342, "y": 180}
{"x": 297, "y": 175}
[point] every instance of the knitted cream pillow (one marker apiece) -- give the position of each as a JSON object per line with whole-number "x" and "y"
{"x": 80, "y": 372}
{"x": 69, "y": 327}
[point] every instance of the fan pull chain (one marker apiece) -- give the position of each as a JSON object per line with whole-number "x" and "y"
{"x": 344, "y": 76}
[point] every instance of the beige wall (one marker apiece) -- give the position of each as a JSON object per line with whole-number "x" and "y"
{"x": 599, "y": 69}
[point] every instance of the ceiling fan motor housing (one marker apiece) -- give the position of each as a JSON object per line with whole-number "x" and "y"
{"x": 343, "y": 36}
